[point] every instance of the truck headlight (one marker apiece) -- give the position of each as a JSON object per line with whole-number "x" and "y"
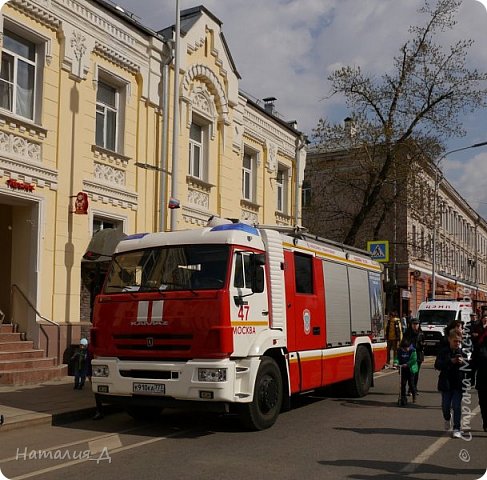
{"x": 100, "y": 371}
{"x": 212, "y": 374}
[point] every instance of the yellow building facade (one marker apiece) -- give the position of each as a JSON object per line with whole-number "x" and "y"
{"x": 86, "y": 143}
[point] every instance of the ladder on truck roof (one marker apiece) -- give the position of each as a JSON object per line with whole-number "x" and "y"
{"x": 301, "y": 233}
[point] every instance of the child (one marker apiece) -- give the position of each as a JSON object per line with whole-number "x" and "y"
{"x": 406, "y": 360}
{"x": 449, "y": 361}
{"x": 81, "y": 364}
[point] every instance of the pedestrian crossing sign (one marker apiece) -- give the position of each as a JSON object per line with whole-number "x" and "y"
{"x": 379, "y": 250}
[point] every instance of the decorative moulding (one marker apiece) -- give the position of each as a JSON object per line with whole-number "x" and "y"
{"x": 102, "y": 154}
{"x": 206, "y": 75}
{"x": 271, "y": 163}
{"x": 116, "y": 57}
{"x": 23, "y": 127}
{"x": 108, "y": 194}
{"x": 195, "y": 216}
{"x": 27, "y": 172}
{"x": 77, "y": 50}
{"x": 40, "y": 10}
{"x": 15, "y": 146}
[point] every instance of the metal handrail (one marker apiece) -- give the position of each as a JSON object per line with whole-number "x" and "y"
{"x": 31, "y": 305}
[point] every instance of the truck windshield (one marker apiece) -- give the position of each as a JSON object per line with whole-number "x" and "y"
{"x": 186, "y": 267}
{"x": 436, "y": 317}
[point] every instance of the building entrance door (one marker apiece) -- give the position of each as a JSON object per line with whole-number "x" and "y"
{"x": 19, "y": 233}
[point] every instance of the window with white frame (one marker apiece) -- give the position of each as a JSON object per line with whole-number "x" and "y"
{"x": 198, "y": 140}
{"x": 100, "y": 223}
{"x": 107, "y": 116}
{"x": 281, "y": 186}
{"x": 248, "y": 177}
{"x": 18, "y": 75}
{"x": 306, "y": 194}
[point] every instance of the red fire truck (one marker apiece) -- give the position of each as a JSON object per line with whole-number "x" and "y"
{"x": 237, "y": 318}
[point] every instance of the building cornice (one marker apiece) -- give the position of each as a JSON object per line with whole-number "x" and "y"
{"x": 28, "y": 172}
{"x": 261, "y": 130}
{"x": 39, "y": 10}
{"x": 110, "y": 195}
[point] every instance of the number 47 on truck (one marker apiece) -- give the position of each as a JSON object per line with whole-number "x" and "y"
{"x": 235, "y": 317}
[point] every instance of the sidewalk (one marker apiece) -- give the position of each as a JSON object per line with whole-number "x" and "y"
{"x": 52, "y": 402}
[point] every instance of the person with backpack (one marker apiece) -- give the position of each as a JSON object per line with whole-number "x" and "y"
{"x": 407, "y": 363}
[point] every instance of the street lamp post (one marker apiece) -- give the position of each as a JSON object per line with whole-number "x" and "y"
{"x": 438, "y": 179}
{"x": 175, "y": 131}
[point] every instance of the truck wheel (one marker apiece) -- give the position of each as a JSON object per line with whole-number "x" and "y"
{"x": 264, "y": 409}
{"x": 359, "y": 385}
{"x": 144, "y": 413}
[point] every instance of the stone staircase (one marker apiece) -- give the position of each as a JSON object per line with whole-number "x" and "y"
{"x": 21, "y": 364}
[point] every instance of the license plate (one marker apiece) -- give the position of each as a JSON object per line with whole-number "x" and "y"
{"x": 430, "y": 342}
{"x": 149, "y": 388}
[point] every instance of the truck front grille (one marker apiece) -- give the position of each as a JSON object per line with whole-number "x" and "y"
{"x": 154, "y": 374}
{"x": 158, "y": 342}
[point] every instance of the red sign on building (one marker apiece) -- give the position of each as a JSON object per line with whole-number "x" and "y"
{"x": 18, "y": 185}
{"x": 81, "y": 203}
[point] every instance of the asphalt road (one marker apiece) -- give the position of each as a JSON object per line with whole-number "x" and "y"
{"x": 323, "y": 436}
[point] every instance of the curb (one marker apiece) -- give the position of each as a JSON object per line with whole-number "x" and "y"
{"x": 56, "y": 419}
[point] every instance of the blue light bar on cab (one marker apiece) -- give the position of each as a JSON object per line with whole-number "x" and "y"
{"x": 236, "y": 226}
{"x": 135, "y": 236}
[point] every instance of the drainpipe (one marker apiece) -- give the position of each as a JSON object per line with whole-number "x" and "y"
{"x": 165, "y": 135}
{"x": 299, "y": 144}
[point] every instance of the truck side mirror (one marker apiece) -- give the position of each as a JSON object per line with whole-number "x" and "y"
{"x": 257, "y": 261}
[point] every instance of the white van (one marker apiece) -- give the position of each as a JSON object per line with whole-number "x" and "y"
{"x": 435, "y": 315}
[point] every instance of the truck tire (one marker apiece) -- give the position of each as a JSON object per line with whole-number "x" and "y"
{"x": 144, "y": 413}
{"x": 359, "y": 385}
{"x": 264, "y": 409}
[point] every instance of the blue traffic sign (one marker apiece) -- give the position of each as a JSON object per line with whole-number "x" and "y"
{"x": 379, "y": 250}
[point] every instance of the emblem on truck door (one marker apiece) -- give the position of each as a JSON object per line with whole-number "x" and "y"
{"x": 307, "y": 321}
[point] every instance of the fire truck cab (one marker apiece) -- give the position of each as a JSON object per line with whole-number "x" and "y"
{"x": 237, "y": 317}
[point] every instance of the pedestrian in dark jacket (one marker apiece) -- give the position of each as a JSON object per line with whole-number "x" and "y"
{"x": 406, "y": 361}
{"x": 416, "y": 337}
{"x": 479, "y": 330}
{"x": 81, "y": 364}
{"x": 479, "y": 358}
{"x": 449, "y": 361}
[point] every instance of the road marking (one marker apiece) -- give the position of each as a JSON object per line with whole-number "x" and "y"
{"x": 110, "y": 443}
{"x": 84, "y": 460}
{"x": 431, "y": 450}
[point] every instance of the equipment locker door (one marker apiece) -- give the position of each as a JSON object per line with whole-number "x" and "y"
{"x": 305, "y": 315}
